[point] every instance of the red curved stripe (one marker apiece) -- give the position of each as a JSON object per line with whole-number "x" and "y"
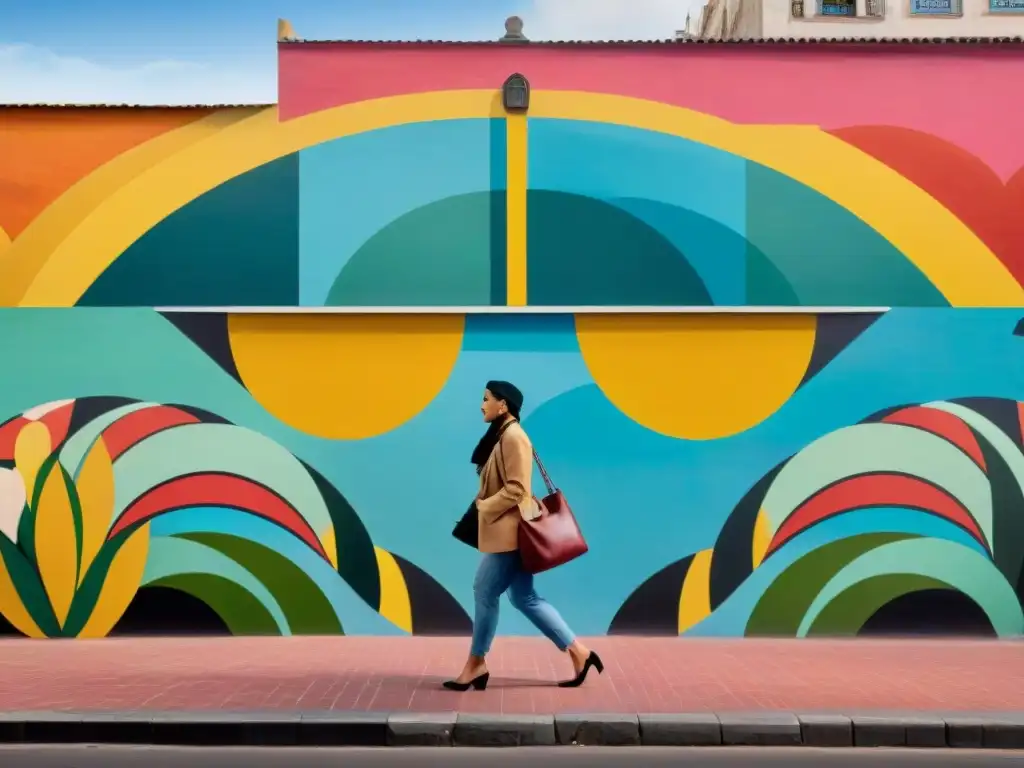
{"x": 941, "y": 423}
{"x": 9, "y": 435}
{"x": 58, "y": 421}
{"x": 136, "y": 426}
{"x": 217, "y": 490}
{"x": 958, "y": 179}
{"x": 877, "y": 490}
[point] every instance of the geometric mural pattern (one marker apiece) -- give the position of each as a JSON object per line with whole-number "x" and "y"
{"x": 866, "y": 483}
{"x": 675, "y": 208}
{"x": 170, "y": 464}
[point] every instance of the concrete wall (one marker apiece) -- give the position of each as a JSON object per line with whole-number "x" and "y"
{"x": 199, "y": 433}
{"x": 969, "y": 18}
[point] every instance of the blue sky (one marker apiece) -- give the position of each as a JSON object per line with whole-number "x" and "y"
{"x": 223, "y": 51}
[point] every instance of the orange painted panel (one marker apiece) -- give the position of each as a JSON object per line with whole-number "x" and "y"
{"x": 47, "y": 149}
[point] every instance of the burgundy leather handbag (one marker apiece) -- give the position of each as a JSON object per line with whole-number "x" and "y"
{"x": 554, "y": 538}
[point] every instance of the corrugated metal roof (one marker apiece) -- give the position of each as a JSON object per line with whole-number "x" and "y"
{"x": 28, "y": 105}
{"x": 781, "y": 41}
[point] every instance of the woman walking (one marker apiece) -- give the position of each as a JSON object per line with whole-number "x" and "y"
{"x": 504, "y": 462}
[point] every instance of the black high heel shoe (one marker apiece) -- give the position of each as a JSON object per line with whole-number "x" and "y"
{"x": 593, "y": 660}
{"x": 478, "y": 683}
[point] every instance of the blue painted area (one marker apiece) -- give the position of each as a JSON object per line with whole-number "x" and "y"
{"x": 352, "y": 187}
{"x": 520, "y": 333}
{"x": 637, "y": 170}
{"x": 717, "y": 253}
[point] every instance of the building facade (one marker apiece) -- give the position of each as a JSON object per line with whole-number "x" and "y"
{"x": 769, "y": 331}
{"x": 861, "y": 19}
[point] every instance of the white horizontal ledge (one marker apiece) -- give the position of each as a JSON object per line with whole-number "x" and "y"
{"x": 532, "y": 310}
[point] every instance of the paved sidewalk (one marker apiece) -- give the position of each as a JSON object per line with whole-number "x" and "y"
{"x": 404, "y": 675}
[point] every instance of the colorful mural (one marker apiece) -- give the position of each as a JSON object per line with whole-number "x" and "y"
{"x": 790, "y": 474}
{"x": 171, "y": 463}
{"x": 387, "y": 192}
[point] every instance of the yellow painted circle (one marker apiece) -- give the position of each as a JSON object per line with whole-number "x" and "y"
{"x": 697, "y": 377}
{"x": 345, "y": 377}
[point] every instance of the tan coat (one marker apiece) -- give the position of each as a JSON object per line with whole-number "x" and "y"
{"x": 505, "y": 491}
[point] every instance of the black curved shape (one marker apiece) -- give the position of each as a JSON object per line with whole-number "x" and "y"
{"x": 834, "y": 334}
{"x": 434, "y": 611}
{"x": 653, "y": 608}
{"x": 733, "y": 561}
{"x": 941, "y": 612}
{"x": 162, "y": 611}
{"x": 209, "y": 332}
{"x": 357, "y": 559}
{"x": 85, "y": 409}
{"x": 1000, "y": 411}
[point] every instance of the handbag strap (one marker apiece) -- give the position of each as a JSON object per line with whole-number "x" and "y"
{"x": 544, "y": 474}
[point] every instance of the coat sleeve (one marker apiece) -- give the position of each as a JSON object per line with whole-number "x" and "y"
{"x": 516, "y": 470}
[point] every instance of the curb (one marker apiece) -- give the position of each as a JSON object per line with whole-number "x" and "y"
{"x": 966, "y": 730}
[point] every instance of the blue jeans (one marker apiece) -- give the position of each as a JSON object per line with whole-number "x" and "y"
{"x": 503, "y": 572}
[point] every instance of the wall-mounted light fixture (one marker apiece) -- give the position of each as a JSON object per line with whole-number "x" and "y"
{"x": 515, "y": 93}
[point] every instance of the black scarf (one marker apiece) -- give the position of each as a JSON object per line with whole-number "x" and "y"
{"x": 490, "y": 439}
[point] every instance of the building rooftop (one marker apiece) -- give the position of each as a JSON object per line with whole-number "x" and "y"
{"x": 33, "y": 105}
{"x": 686, "y": 42}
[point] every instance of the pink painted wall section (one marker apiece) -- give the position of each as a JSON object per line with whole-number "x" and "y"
{"x": 964, "y": 95}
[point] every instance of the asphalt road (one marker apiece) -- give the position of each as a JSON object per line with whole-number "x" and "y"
{"x": 564, "y": 757}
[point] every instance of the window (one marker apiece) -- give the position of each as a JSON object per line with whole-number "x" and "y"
{"x": 837, "y": 7}
{"x": 936, "y": 7}
{"x": 1006, "y": 6}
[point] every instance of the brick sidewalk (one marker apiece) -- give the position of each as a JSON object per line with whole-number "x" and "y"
{"x": 399, "y": 674}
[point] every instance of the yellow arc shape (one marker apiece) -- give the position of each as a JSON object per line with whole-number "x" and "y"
{"x": 697, "y": 377}
{"x": 154, "y": 193}
{"x": 345, "y": 377}
{"x": 5, "y": 242}
{"x": 95, "y": 485}
{"x": 56, "y": 544}
{"x": 40, "y": 240}
{"x": 956, "y": 261}
{"x": 329, "y": 541}
{"x": 31, "y": 448}
{"x": 761, "y": 538}
{"x": 395, "y": 605}
{"x": 695, "y": 595}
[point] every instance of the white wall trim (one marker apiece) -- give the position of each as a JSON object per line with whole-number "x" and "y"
{"x": 533, "y": 310}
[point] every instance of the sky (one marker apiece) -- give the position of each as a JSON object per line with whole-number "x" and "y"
{"x": 224, "y": 52}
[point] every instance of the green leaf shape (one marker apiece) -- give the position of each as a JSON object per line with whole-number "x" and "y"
{"x": 76, "y": 514}
{"x": 782, "y": 607}
{"x": 27, "y": 582}
{"x": 306, "y": 608}
{"x": 90, "y": 587}
{"x": 241, "y": 612}
{"x": 27, "y": 524}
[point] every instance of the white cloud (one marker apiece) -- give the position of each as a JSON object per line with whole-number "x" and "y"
{"x": 32, "y": 75}
{"x": 607, "y": 19}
